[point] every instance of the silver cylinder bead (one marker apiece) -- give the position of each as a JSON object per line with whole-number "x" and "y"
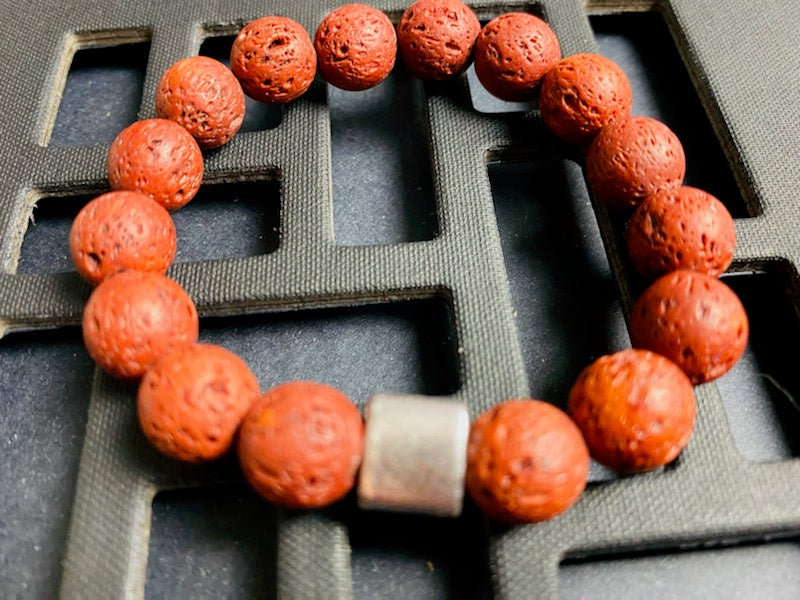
{"x": 415, "y": 455}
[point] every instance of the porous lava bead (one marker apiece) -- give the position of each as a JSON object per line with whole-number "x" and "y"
{"x": 202, "y": 95}
{"x": 192, "y": 400}
{"x": 685, "y": 228}
{"x": 512, "y": 54}
{"x": 121, "y": 230}
{"x": 133, "y": 317}
{"x": 158, "y": 158}
{"x": 581, "y": 95}
{"x": 633, "y": 158}
{"x": 301, "y": 444}
{"x": 356, "y": 47}
{"x": 435, "y": 38}
{"x": 694, "y": 320}
{"x": 635, "y": 409}
{"x": 526, "y": 462}
{"x": 273, "y": 59}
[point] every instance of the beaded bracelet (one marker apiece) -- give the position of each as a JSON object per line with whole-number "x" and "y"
{"x": 302, "y": 444}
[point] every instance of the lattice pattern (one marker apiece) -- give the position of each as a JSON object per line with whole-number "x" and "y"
{"x": 710, "y": 495}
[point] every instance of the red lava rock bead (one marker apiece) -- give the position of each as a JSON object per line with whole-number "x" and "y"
{"x": 121, "y": 230}
{"x": 158, "y": 158}
{"x": 301, "y": 444}
{"x": 192, "y": 400}
{"x": 694, "y": 320}
{"x": 512, "y": 54}
{"x": 635, "y": 409}
{"x": 356, "y": 47}
{"x": 201, "y": 95}
{"x": 526, "y": 461}
{"x": 581, "y": 95}
{"x": 134, "y": 317}
{"x": 273, "y": 59}
{"x": 435, "y": 38}
{"x": 685, "y": 228}
{"x": 633, "y": 158}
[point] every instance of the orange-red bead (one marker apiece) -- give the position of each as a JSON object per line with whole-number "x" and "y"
{"x": 301, "y": 444}
{"x": 192, "y": 400}
{"x": 121, "y": 230}
{"x": 635, "y": 409}
{"x": 133, "y": 317}
{"x": 158, "y": 158}
{"x": 526, "y": 462}
{"x": 274, "y": 60}
{"x": 694, "y": 320}
{"x": 581, "y": 95}
{"x": 202, "y": 95}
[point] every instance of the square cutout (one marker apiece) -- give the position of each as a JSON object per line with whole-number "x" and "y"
{"x": 212, "y": 542}
{"x": 102, "y": 91}
{"x": 410, "y": 556}
{"x": 230, "y": 220}
{"x": 257, "y": 115}
{"x": 381, "y": 166}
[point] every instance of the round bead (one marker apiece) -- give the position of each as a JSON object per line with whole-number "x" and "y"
{"x": 526, "y": 462}
{"x": 201, "y": 95}
{"x": 512, "y": 54}
{"x": 635, "y": 409}
{"x": 158, "y": 158}
{"x": 192, "y": 400}
{"x": 356, "y": 47}
{"x": 633, "y": 158}
{"x": 273, "y": 59}
{"x": 581, "y": 95}
{"x": 301, "y": 444}
{"x": 685, "y": 228}
{"x": 121, "y": 230}
{"x": 694, "y": 320}
{"x": 435, "y": 38}
{"x": 134, "y": 317}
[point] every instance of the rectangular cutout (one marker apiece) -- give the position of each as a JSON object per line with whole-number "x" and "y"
{"x": 404, "y": 347}
{"x": 224, "y": 220}
{"x": 410, "y": 556}
{"x": 761, "y": 394}
{"x": 45, "y": 245}
{"x": 767, "y": 570}
{"x": 382, "y": 181}
{"x": 230, "y": 220}
{"x": 212, "y": 542}
{"x": 45, "y": 384}
{"x": 257, "y": 116}
{"x": 564, "y": 296}
{"x": 103, "y": 89}
{"x": 641, "y": 44}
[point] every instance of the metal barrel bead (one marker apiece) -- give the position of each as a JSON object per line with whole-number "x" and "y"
{"x": 415, "y": 455}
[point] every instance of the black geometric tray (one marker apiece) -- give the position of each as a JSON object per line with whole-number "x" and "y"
{"x": 413, "y": 238}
